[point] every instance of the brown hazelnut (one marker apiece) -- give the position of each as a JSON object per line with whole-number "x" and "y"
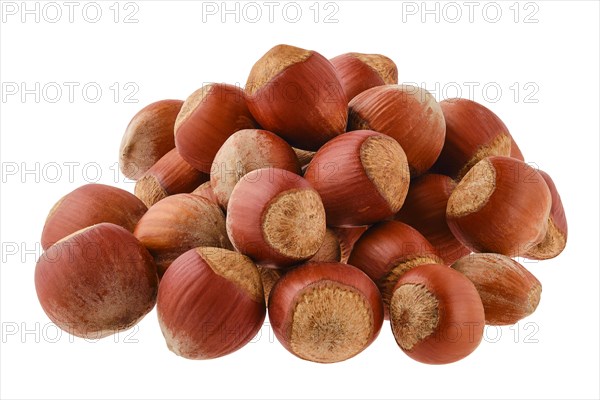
{"x": 436, "y": 314}
{"x": 148, "y": 137}
{"x": 296, "y": 93}
{"x": 362, "y": 177}
{"x": 325, "y": 312}
{"x": 208, "y": 117}
{"x": 276, "y": 218}
{"x": 179, "y": 223}
{"x": 170, "y": 175}
{"x": 409, "y": 114}
{"x": 358, "y": 72}
{"x": 245, "y": 151}
{"x": 500, "y": 206}
{"x": 210, "y": 303}
{"x": 508, "y": 291}
{"x": 89, "y": 205}
{"x": 97, "y": 281}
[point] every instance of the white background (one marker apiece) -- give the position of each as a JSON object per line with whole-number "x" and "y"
{"x": 172, "y": 50}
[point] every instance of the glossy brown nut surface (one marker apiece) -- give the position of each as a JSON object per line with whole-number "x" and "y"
{"x": 473, "y": 132}
{"x": 296, "y": 93}
{"x": 325, "y": 312}
{"x": 500, "y": 206}
{"x": 362, "y": 177}
{"x": 89, "y": 205}
{"x": 436, "y": 314}
{"x": 96, "y": 282}
{"x": 170, "y": 175}
{"x": 358, "y": 72}
{"x": 409, "y": 114}
{"x": 425, "y": 210}
{"x": 208, "y": 117}
{"x": 148, "y": 137}
{"x": 276, "y": 218}
{"x": 210, "y": 303}
{"x": 508, "y": 291}
{"x": 179, "y": 223}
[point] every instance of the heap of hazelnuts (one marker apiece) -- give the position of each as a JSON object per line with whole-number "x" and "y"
{"x": 324, "y": 190}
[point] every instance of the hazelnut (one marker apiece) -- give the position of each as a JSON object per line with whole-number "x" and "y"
{"x": 508, "y": 291}
{"x": 97, "y": 281}
{"x": 179, "y": 223}
{"x": 436, "y": 314}
{"x": 325, "y": 312}
{"x": 276, "y": 218}
{"x": 347, "y": 238}
{"x": 89, "y": 205}
{"x": 148, "y": 137}
{"x": 330, "y": 250}
{"x": 208, "y": 117}
{"x": 170, "y": 175}
{"x": 304, "y": 156}
{"x": 245, "y": 151}
{"x": 210, "y": 303}
{"x": 269, "y": 278}
{"x": 555, "y": 239}
{"x": 376, "y": 167}
{"x": 500, "y": 206}
{"x": 358, "y": 72}
{"x": 388, "y": 250}
{"x": 409, "y": 114}
{"x": 296, "y": 93}
{"x": 473, "y": 133}
{"x": 425, "y": 210}
{"x": 205, "y": 190}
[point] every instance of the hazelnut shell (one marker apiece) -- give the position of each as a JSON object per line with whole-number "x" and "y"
{"x": 409, "y": 114}
{"x": 210, "y": 303}
{"x": 89, "y": 205}
{"x": 376, "y": 166}
{"x": 508, "y": 291}
{"x": 296, "y": 93}
{"x": 500, "y": 206}
{"x": 97, "y": 281}
{"x": 325, "y": 312}
{"x": 148, "y": 137}
{"x": 179, "y": 223}
{"x": 436, "y": 314}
